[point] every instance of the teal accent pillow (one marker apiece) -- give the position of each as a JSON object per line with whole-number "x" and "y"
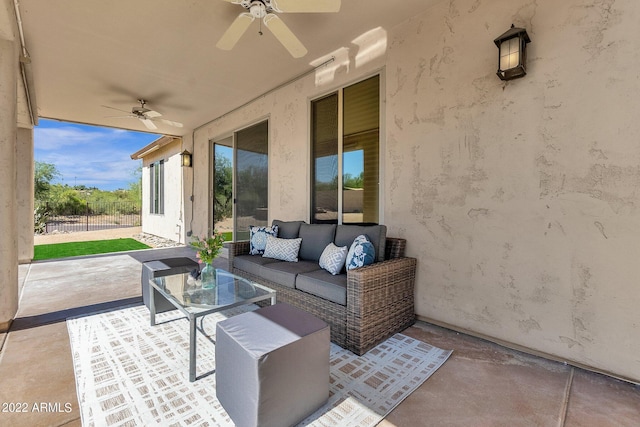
{"x": 361, "y": 253}
{"x": 258, "y": 238}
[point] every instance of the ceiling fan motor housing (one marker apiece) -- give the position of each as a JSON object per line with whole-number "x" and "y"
{"x": 267, "y": 11}
{"x": 138, "y": 111}
{"x": 258, "y": 8}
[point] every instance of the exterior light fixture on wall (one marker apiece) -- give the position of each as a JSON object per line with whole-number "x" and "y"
{"x": 512, "y": 53}
{"x": 185, "y": 159}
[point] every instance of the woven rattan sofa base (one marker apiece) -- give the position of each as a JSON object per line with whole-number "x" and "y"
{"x": 332, "y": 313}
{"x": 380, "y": 298}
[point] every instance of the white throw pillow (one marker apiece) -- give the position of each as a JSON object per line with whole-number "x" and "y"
{"x": 282, "y": 249}
{"x": 333, "y": 258}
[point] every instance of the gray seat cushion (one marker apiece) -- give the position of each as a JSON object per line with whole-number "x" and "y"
{"x": 315, "y": 237}
{"x": 288, "y": 229}
{"x": 377, "y": 234}
{"x": 284, "y": 273}
{"x": 323, "y": 284}
{"x": 252, "y": 263}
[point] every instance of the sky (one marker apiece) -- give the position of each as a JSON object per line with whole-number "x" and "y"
{"x": 90, "y": 155}
{"x": 100, "y": 157}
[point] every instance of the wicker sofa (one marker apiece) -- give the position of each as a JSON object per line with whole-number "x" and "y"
{"x": 363, "y": 306}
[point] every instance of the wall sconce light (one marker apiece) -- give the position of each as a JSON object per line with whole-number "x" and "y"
{"x": 185, "y": 159}
{"x": 512, "y": 53}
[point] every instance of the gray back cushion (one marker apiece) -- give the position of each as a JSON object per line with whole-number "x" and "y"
{"x": 377, "y": 234}
{"x": 288, "y": 229}
{"x": 315, "y": 237}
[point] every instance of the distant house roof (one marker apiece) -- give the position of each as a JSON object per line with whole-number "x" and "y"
{"x": 153, "y": 146}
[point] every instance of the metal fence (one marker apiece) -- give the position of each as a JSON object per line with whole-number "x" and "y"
{"x": 93, "y": 216}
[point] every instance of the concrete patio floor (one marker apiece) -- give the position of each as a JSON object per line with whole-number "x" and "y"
{"x": 482, "y": 384}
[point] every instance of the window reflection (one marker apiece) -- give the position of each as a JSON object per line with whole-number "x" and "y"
{"x": 358, "y": 172}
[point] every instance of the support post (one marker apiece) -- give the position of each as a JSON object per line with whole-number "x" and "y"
{"x": 8, "y": 221}
{"x": 25, "y": 194}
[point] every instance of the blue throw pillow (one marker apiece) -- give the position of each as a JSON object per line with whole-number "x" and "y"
{"x": 258, "y": 239}
{"x": 361, "y": 253}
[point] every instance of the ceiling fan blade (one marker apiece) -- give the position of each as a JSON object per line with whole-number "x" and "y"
{"x": 305, "y": 6}
{"x": 171, "y": 123}
{"x": 117, "y": 109}
{"x": 152, "y": 114}
{"x": 235, "y": 31}
{"x": 285, "y": 35}
{"x": 149, "y": 124}
{"x": 130, "y": 116}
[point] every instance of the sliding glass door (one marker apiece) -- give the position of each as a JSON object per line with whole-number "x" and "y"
{"x": 252, "y": 178}
{"x": 240, "y": 172}
{"x": 222, "y": 193}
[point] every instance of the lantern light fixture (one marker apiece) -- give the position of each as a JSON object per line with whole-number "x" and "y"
{"x": 512, "y": 53}
{"x": 185, "y": 159}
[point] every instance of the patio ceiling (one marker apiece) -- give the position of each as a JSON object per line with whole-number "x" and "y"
{"x": 89, "y": 53}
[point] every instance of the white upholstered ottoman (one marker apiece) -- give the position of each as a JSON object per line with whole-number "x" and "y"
{"x": 272, "y": 366}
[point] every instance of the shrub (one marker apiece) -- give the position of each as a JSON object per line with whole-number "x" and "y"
{"x": 40, "y": 216}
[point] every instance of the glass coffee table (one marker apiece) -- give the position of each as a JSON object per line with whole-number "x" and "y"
{"x": 188, "y": 296}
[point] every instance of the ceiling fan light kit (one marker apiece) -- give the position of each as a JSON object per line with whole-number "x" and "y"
{"x": 266, "y": 10}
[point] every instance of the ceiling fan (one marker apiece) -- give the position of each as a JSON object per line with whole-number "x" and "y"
{"x": 266, "y": 10}
{"x": 145, "y": 115}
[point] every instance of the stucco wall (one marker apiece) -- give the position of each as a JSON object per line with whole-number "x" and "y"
{"x": 287, "y": 111}
{"x": 8, "y": 175}
{"x": 520, "y": 199}
{"x": 169, "y": 225}
{"x": 24, "y": 193}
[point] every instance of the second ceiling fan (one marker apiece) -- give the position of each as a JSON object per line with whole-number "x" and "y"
{"x": 145, "y": 115}
{"x": 266, "y": 10}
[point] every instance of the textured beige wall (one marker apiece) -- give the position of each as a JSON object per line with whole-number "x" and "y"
{"x": 8, "y": 211}
{"x": 287, "y": 111}
{"x": 24, "y": 193}
{"x": 520, "y": 200}
{"x": 169, "y": 225}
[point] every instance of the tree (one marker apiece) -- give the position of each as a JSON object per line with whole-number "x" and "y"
{"x": 44, "y": 173}
{"x": 66, "y": 201}
{"x": 350, "y": 181}
{"x": 134, "y": 192}
{"x": 223, "y": 189}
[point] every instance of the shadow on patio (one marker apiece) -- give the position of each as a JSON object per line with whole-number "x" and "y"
{"x": 482, "y": 384}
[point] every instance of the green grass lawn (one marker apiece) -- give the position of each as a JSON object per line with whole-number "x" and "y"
{"x": 64, "y": 250}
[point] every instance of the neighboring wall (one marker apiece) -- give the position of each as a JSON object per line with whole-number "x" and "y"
{"x": 520, "y": 200}
{"x": 169, "y": 225}
{"x": 25, "y": 203}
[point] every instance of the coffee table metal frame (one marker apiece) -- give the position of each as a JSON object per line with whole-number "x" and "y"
{"x": 195, "y": 311}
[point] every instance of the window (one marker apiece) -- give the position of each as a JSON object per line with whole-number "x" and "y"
{"x": 156, "y": 187}
{"x": 345, "y": 138}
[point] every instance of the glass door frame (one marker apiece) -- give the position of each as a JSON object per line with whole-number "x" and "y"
{"x": 221, "y": 141}
{"x": 232, "y": 139}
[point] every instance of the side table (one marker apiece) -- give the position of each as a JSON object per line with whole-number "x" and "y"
{"x": 161, "y": 268}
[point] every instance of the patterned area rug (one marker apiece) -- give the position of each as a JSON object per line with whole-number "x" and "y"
{"x": 129, "y": 373}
